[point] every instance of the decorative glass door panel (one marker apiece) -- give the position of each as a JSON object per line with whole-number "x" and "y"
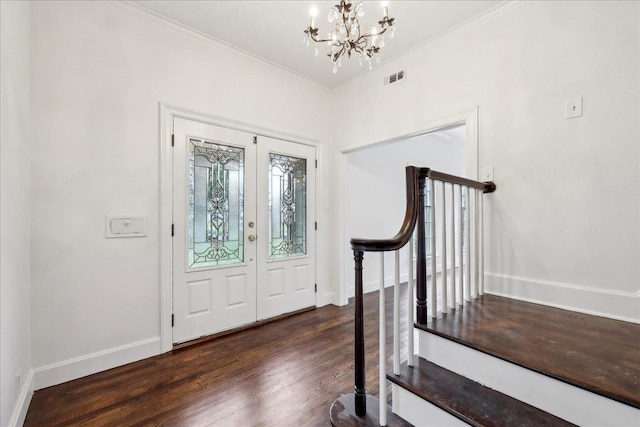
{"x": 216, "y": 204}
{"x": 287, "y": 206}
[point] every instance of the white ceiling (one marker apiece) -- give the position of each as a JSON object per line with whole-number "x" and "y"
{"x": 273, "y": 30}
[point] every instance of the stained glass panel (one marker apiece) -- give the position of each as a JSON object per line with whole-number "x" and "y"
{"x": 216, "y": 204}
{"x": 287, "y": 206}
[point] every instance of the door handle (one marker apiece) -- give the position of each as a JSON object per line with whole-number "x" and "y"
{"x": 252, "y": 237}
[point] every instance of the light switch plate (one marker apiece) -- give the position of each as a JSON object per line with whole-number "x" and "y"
{"x": 573, "y": 108}
{"x": 125, "y": 226}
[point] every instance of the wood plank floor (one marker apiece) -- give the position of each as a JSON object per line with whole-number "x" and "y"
{"x": 285, "y": 373}
{"x": 595, "y": 353}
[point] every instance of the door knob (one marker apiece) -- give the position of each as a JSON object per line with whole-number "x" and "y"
{"x": 252, "y": 237}
{"x": 251, "y": 224}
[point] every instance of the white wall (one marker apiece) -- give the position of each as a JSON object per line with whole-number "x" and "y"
{"x": 564, "y": 224}
{"x": 15, "y": 213}
{"x": 99, "y": 73}
{"x": 376, "y": 199}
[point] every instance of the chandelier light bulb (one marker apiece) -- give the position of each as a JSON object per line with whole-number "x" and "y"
{"x": 313, "y": 12}
{"x": 385, "y": 8}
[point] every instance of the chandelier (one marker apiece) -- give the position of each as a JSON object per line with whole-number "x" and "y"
{"x": 348, "y": 36}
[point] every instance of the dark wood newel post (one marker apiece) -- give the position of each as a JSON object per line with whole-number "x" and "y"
{"x": 360, "y": 391}
{"x": 421, "y": 265}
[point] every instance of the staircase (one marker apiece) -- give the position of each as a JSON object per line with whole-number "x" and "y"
{"x": 484, "y": 360}
{"x": 499, "y": 361}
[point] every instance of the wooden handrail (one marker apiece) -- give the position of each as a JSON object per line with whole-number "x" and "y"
{"x": 401, "y": 238}
{"x": 486, "y": 187}
{"x": 414, "y": 217}
{"x": 415, "y": 177}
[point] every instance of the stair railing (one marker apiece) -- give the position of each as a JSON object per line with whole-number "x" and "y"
{"x": 469, "y": 286}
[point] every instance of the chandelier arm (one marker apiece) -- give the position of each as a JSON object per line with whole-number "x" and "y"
{"x": 358, "y": 49}
{"x": 314, "y": 37}
{"x": 373, "y": 35}
{"x": 339, "y": 53}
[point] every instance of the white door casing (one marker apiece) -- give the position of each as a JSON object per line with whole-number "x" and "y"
{"x": 224, "y": 275}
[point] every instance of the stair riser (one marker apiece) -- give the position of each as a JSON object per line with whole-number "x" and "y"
{"x": 419, "y": 412}
{"x": 556, "y": 397}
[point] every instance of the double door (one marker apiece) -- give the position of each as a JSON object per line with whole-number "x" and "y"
{"x": 244, "y": 239}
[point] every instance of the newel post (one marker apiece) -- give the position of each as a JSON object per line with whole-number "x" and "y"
{"x": 421, "y": 265}
{"x": 360, "y": 391}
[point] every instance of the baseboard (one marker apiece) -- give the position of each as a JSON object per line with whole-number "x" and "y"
{"x": 599, "y": 302}
{"x": 19, "y": 413}
{"x": 374, "y": 285}
{"x": 78, "y": 367}
{"x": 326, "y": 299}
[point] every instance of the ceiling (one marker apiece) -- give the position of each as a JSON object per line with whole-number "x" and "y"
{"x": 273, "y": 30}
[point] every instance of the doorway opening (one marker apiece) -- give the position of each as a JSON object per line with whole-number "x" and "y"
{"x": 375, "y": 197}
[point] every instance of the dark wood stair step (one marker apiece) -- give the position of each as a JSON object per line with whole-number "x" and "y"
{"x": 468, "y": 400}
{"x": 594, "y": 353}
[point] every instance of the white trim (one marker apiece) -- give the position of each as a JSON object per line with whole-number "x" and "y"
{"x": 167, "y": 115}
{"x": 609, "y": 303}
{"x": 373, "y": 285}
{"x": 566, "y": 285}
{"x": 417, "y": 410}
{"x": 78, "y": 367}
{"x": 473, "y": 22}
{"x": 561, "y": 399}
{"x": 206, "y": 38}
{"x": 19, "y": 413}
{"x": 469, "y": 118}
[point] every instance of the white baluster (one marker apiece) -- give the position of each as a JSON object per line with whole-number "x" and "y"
{"x": 396, "y": 315}
{"x": 481, "y": 248}
{"x": 453, "y": 246}
{"x": 460, "y": 247}
{"x": 434, "y": 276}
{"x": 476, "y": 244}
{"x": 382, "y": 361}
{"x": 468, "y": 245}
{"x": 443, "y": 278}
{"x": 410, "y": 305}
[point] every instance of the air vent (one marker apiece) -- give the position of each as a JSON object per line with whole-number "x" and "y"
{"x": 394, "y": 78}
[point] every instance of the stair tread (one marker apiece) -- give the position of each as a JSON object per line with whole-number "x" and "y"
{"x": 468, "y": 400}
{"x": 597, "y": 354}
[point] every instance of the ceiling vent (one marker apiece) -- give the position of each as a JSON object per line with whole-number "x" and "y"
{"x": 394, "y": 78}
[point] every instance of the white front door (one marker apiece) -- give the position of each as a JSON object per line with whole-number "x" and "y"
{"x": 244, "y": 241}
{"x": 286, "y": 227}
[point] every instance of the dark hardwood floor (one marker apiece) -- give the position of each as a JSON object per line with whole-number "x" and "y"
{"x": 285, "y": 373}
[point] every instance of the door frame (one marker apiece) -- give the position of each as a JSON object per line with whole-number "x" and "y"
{"x": 469, "y": 118}
{"x": 167, "y": 114}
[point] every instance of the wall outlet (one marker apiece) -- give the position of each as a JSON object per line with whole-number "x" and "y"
{"x": 573, "y": 108}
